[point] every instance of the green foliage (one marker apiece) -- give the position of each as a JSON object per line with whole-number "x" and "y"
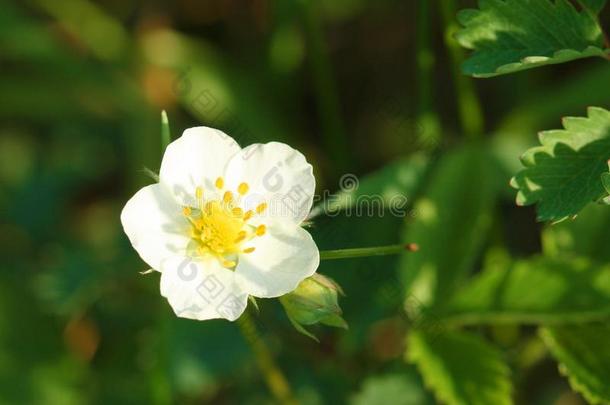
{"x": 396, "y": 389}
{"x": 587, "y": 236}
{"x": 584, "y": 357}
{"x": 461, "y": 368}
{"x": 451, "y": 223}
{"x": 82, "y": 86}
{"x": 595, "y": 6}
{"x": 392, "y": 183}
{"x": 535, "y": 291}
{"x": 564, "y": 173}
{"x": 512, "y": 35}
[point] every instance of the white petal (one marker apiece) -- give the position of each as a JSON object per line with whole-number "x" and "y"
{"x": 196, "y": 159}
{"x": 283, "y": 257}
{"x": 154, "y": 225}
{"x": 202, "y": 290}
{"x": 276, "y": 174}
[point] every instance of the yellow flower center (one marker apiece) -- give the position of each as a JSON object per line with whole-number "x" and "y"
{"x": 219, "y": 227}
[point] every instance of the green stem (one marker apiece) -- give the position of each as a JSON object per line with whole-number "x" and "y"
{"x": 469, "y": 106}
{"x": 367, "y": 252}
{"x": 326, "y": 94}
{"x": 275, "y": 379}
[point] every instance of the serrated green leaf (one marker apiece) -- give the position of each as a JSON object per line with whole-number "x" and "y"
{"x": 595, "y": 6}
{"x": 563, "y": 174}
{"x": 512, "y": 35}
{"x": 451, "y": 224}
{"x": 461, "y": 368}
{"x": 534, "y": 291}
{"x": 583, "y": 354}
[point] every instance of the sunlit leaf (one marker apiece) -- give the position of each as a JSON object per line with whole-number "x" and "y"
{"x": 539, "y": 290}
{"x": 564, "y": 173}
{"x": 583, "y": 354}
{"x": 461, "y": 368}
{"x": 512, "y": 35}
{"x": 396, "y": 389}
{"x": 450, "y": 225}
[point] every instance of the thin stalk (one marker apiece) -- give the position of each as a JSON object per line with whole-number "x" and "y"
{"x": 522, "y": 318}
{"x": 367, "y": 252}
{"x": 275, "y": 379}
{"x": 166, "y": 137}
{"x": 326, "y": 94}
{"x": 469, "y": 106}
{"x": 427, "y": 117}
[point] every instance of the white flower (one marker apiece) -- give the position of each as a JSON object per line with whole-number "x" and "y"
{"x": 223, "y": 223}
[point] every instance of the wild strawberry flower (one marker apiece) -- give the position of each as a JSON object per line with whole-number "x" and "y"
{"x": 224, "y": 223}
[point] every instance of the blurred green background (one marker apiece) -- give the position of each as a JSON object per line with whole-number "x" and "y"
{"x": 353, "y": 84}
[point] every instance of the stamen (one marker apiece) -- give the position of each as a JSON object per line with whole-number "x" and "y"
{"x": 186, "y": 211}
{"x": 228, "y": 263}
{"x": 238, "y": 212}
{"x": 249, "y": 250}
{"x": 248, "y": 215}
{"x": 240, "y": 236}
{"x": 220, "y": 183}
{"x": 243, "y": 188}
{"x": 227, "y": 197}
{"x": 261, "y": 207}
{"x": 199, "y": 193}
{"x": 260, "y": 230}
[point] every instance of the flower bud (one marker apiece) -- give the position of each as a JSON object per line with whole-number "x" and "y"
{"x": 314, "y": 301}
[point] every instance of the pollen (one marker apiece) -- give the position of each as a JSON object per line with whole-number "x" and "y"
{"x": 243, "y": 188}
{"x": 220, "y": 183}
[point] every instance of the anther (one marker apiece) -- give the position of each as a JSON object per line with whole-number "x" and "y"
{"x": 220, "y": 183}
{"x": 243, "y": 188}
{"x": 186, "y": 211}
{"x": 199, "y": 193}
{"x": 238, "y": 212}
{"x": 249, "y": 250}
{"x": 229, "y": 263}
{"x": 227, "y": 197}
{"x": 261, "y": 207}
{"x": 240, "y": 236}
{"x": 248, "y": 215}
{"x": 260, "y": 230}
